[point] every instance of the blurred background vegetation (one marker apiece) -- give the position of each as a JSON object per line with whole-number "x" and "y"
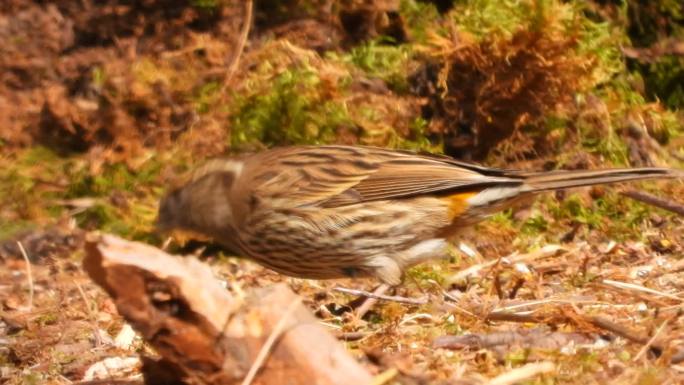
{"x": 103, "y": 105}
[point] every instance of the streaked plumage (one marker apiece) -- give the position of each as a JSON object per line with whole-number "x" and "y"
{"x": 340, "y": 211}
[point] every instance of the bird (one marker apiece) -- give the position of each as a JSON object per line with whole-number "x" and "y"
{"x": 339, "y": 211}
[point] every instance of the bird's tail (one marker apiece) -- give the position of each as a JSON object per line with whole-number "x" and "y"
{"x": 555, "y": 180}
{"x": 499, "y": 197}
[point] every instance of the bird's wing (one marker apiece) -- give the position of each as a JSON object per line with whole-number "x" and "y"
{"x": 331, "y": 176}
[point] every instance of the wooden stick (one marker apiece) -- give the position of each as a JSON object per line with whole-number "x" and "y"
{"x": 369, "y": 302}
{"x": 654, "y": 201}
{"x": 390, "y": 298}
{"x": 650, "y": 342}
{"x": 597, "y": 321}
{"x": 244, "y": 33}
{"x": 625, "y": 333}
{"x": 29, "y": 275}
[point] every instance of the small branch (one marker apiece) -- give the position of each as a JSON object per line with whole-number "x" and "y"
{"x": 368, "y": 303}
{"x": 625, "y": 333}
{"x": 515, "y": 317}
{"x": 654, "y": 201}
{"x": 29, "y": 274}
{"x": 352, "y": 336}
{"x": 651, "y": 341}
{"x": 599, "y": 322}
{"x": 390, "y": 298}
{"x": 244, "y": 33}
{"x": 544, "y": 252}
{"x": 669, "y": 47}
{"x": 640, "y": 289}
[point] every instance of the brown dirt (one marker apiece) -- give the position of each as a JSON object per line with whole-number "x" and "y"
{"x": 67, "y": 80}
{"x": 103, "y": 77}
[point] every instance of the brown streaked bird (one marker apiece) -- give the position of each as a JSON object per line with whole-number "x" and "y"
{"x": 344, "y": 211}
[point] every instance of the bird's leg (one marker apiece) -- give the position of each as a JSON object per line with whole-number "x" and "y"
{"x": 389, "y": 272}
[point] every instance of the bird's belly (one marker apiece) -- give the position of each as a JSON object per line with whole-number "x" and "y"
{"x": 342, "y": 241}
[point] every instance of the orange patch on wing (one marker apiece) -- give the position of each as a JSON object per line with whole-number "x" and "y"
{"x": 458, "y": 203}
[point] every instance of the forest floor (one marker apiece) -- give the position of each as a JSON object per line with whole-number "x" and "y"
{"x": 103, "y": 106}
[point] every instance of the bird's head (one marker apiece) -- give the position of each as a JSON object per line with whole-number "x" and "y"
{"x": 201, "y": 205}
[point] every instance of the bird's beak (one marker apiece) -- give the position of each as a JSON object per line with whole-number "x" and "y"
{"x": 182, "y": 237}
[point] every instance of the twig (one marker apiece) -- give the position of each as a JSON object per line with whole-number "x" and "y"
{"x": 523, "y": 373}
{"x": 670, "y": 47}
{"x": 514, "y": 317}
{"x": 369, "y": 302}
{"x": 530, "y": 305}
{"x": 625, "y": 333}
{"x": 89, "y": 310}
{"x": 544, "y": 252}
{"x": 244, "y": 33}
{"x": 597, "y": 321}
{"x": 391, "y": 298}
{"x": 91, "y": 314}
{"x": 651, "y": 341}
{"x": 352, "y": 336}
{"x": 29, "y": 275}
{"x": 639, "y": 288}
{"x": 654, "y": 201}
{"x": 266, "y": 348}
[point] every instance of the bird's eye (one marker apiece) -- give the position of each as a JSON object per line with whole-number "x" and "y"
{"x": 167, "y": 209}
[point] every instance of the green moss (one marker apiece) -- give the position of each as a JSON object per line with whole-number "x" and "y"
{"x": 32, "y": 378}
{"x": 611, "y": 146}
{"x": 206, "y": 4}
{"x": 421, "y": 18}
{"x": 517, "y": 357}
{"x": 36, "y": 180}
{"x": 9, "y": 229}
{"x": 600, "y": 41}
{"x": 650, "y": 376}
{"x": 418, "y": 139}
{"x": 489, "y": 18}
{"x": 535, "y": 225}
{"x": 618, "y": 217}
{"x": 665, "y": 81}
{"x": 47, "y": 319}
{"x": 426, "y": 272}
{"x": 115, "y": 177}
{"x": 292, "y": 110}
{"x": 387, "y": 62}
{"x": 206, "y": 96}
{"x": 27, "y": 178}
{"x": 98, "y": 77}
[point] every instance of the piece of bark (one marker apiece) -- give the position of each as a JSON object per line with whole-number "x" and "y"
{"x": 206, "y": 335}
